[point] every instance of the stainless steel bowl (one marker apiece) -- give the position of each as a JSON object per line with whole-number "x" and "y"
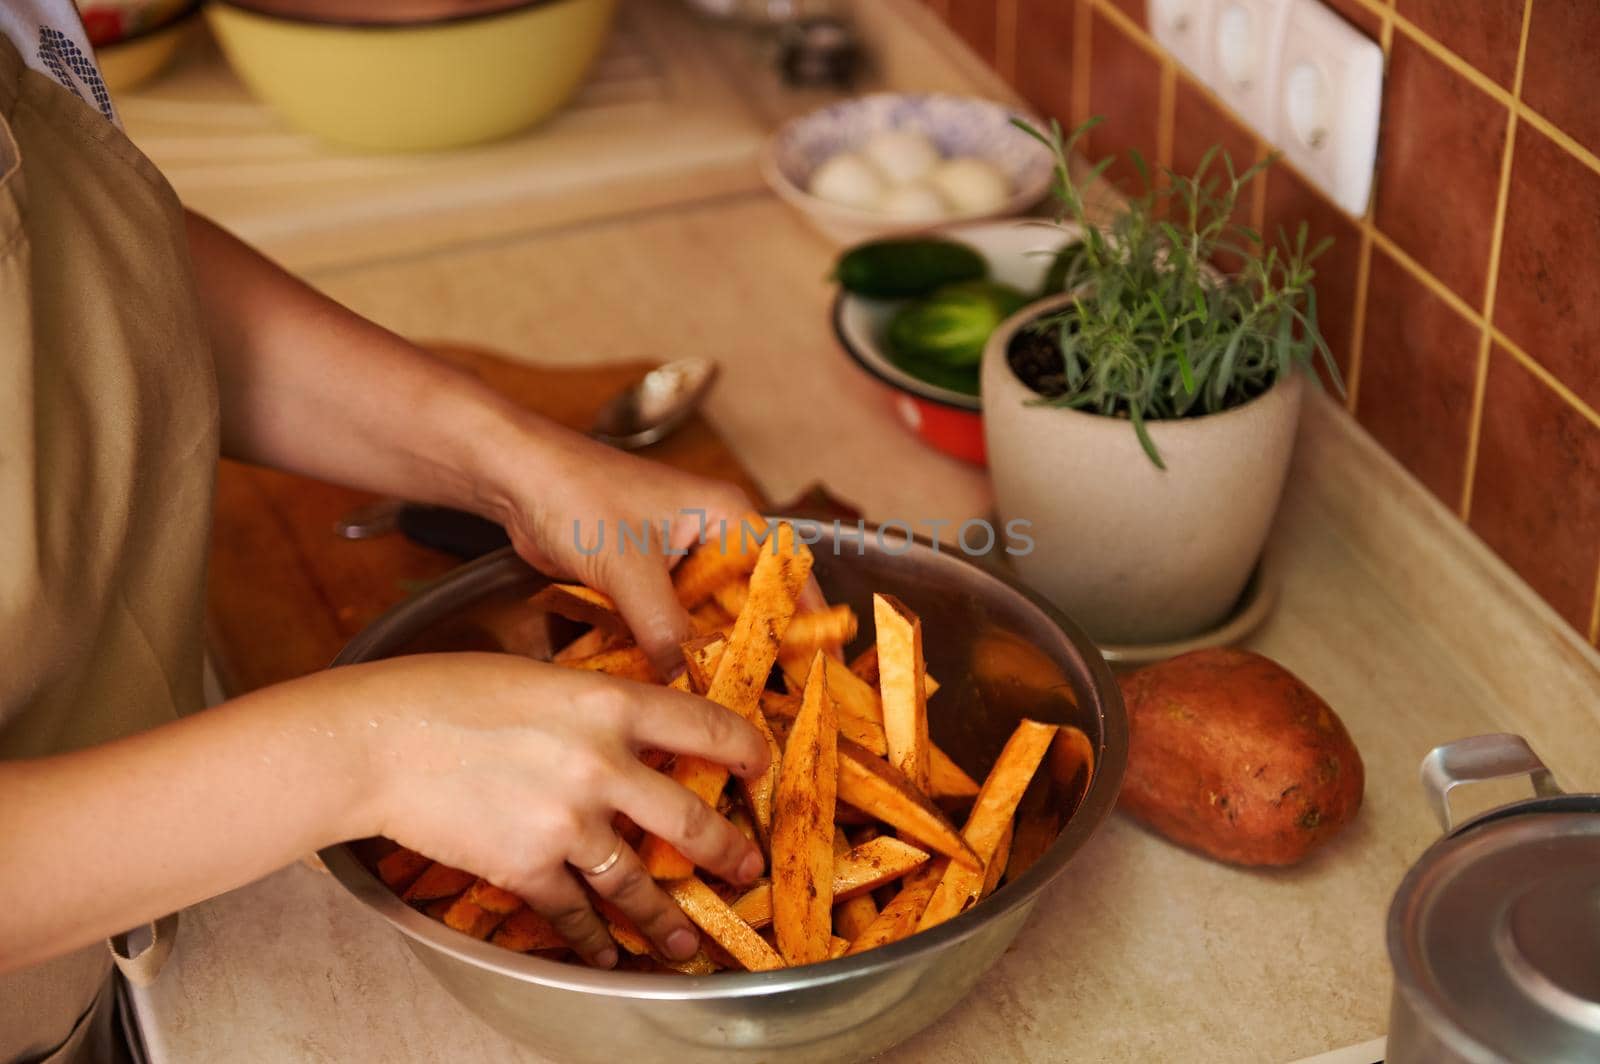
{"x": 1001, "y": 653}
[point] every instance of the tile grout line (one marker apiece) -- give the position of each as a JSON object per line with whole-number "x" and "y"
{"x": 1124, "y": 22}
{"x": 1365, "y": 226}
{"x": 1166, "y": 116}
{"x": 1492, "y": 281}
{"x": 1594, "y": 610}
{"x": 1082, "y": 52}
{"x": 1005, "y": 40}
{"x": 1358, "y": 321}
{"x": 1258, "y": 195}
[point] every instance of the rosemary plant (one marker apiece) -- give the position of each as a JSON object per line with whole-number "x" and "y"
{"x": 1156, "y": 331}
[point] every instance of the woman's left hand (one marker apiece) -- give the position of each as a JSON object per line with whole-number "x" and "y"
{"x": 619, "y": 523}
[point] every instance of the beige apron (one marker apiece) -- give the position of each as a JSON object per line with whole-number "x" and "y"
{"x": 108, "y": 447}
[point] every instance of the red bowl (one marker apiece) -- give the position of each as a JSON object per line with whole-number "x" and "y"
{"x": 947, "y": 421}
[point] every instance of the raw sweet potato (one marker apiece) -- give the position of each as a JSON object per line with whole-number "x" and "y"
{"x": 1230, "y": 754}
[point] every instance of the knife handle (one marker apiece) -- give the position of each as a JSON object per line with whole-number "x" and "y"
{"x": 456, "y": 532}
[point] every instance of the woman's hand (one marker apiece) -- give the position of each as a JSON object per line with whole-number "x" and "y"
{"x": 513, "y": 769}
{"x": 571, "y": 525}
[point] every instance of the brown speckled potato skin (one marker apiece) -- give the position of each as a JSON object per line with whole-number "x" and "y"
{"x": 1232, "y": 755}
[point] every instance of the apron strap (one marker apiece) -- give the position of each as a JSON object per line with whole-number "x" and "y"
{"x": 141, "y": 967}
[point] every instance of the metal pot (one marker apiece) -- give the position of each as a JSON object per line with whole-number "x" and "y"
{"x": 1002, "y": 654}
{"x": 1494, "y": 934}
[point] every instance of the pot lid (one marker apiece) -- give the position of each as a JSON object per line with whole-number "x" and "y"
{"x": 1495, "y": 934}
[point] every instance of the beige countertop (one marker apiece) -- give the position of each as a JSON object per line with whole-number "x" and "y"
{"x": 1409, "y": 628}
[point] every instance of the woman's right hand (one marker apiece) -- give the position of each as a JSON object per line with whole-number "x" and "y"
{"x": 513, "y": 769}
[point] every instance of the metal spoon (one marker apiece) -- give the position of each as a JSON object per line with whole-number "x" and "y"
{"x": 642, "y": 414}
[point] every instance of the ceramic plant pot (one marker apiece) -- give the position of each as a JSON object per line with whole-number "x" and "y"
{"x": 1133, "y": 553}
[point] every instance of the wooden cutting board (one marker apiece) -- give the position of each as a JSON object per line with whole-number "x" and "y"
{"x": 285, "y": 593}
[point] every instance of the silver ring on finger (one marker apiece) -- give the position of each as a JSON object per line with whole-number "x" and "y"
{"x": 605, "y": 866}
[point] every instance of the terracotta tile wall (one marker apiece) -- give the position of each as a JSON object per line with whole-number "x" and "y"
{"x": 1464, "y": 306}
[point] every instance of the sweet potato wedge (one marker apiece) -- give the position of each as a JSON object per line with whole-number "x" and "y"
{"x": 702, "y": 655}
{"x": 589, "y": 643}
{"x": 716, "y": 918}
{"x": 850, "y": 915}
{"x": 946, "y": 778}
{"x": 481, "y": 909}
{"x": 856, "y": 874}
{"x": 716, "y": 562}
{"x": 579, "y": 603}
{"x": 628, "y": 663}
{"x": 525, "y": 931}
{"x": 400, "y": 868}
{"x": 997, "y": 863}
{"x": 900, "y": 671}
{"x": 865, "y": 665}
{"x": 802, "y": 827}
{"x": 899, "y": 918}
{"x": 813, "y": 630}
{"x": 862, "y": 732}
{"x": 877, "y": 788}
{"x": 960, "y": 887}
{"x": 438, "y": 881}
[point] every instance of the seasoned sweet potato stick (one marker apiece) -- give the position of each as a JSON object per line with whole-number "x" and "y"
{"x": 862, "y": 732}
{"x": 526, "y": 931}
{"x": 992, "y": 814}
{"x": 814, "y": 630}
{"x": 997, "y": 863}
{"x": 579, "y": 603}
{"x": 865, "y": 665}
{"x": 717, "y": 561}
{"x": 856, "y": 873}
{"x": 851, "y": 916}
{"x": 629, "y": 663}
{"x": 875, "y": 787}
{"x": 702, "y": 655}
{"x": 591, "y": 642}
{"x": 481, "y": 909}
{"x": 905, "y": 706}
{"x": 946, "y": 778}
{"x": 713, "y": 916}
{"x": 780, "y": 574}
{"x": 899, "y": 918}
{"x": 1071, "y": 754}
{"x": 400, "y": 868}
{"x": 732, "y": 596}
{"x": 802, "y": 827}
{"x": 438, "y": 881}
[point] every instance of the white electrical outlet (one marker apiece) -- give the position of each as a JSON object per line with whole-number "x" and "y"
{"x": 1184, "y": 28}
{"x": 1297, "y": 73}
{"x": 1328, "y": 101}
{"x": 1246, "y": 42}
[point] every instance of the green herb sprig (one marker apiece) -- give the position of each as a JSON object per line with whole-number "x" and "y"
{"x": 1157, "y": 332}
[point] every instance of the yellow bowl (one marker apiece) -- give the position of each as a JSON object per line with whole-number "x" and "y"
{"x": 416, "y": 86}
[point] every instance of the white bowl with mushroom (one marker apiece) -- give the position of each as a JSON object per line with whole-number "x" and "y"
{"x": 900, "y": 162}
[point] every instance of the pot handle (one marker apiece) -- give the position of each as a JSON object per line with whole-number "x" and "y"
{"x": 1482, "y": 757}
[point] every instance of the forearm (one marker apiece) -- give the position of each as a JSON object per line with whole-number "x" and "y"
{"x": 101, "y": 840}
{"x": 313, "y": 388}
